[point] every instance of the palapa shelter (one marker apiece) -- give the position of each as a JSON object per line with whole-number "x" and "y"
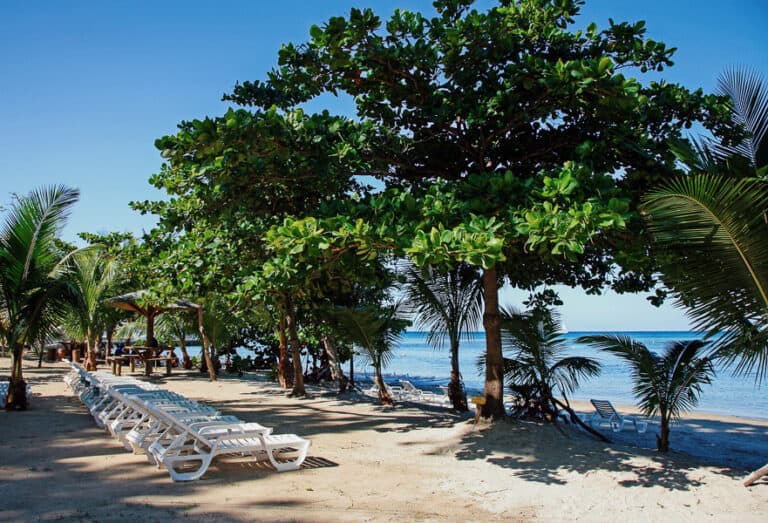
{"x": 130, "y": 302}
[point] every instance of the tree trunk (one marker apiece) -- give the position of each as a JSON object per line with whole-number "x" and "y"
{"x": 206, "y": 345}
{"x": 40, "y": 357}
{"x": 662, "y": 442}
{"x": 494, "y": 362}
{"x": 150, "y": 337}
{"x": 284, "y": 371}
{"x": 759, "y": 473}
{"x": 17, "y": 388}
{"x": 456, "y": 388}
{"x": 333, "y": 358}
{"x": 90, "y": 351}
{"x": 186, "y": 362}
{"x": 384, "y": 396}
{"x": 110, "y": 332}
{"x": 576, "y": 419}
{"x": 298, "y": 376}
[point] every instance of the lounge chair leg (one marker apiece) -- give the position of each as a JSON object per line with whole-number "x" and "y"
{"x": 288, "y": 465}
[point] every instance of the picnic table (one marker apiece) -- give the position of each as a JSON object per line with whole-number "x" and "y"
{"x": 149, "y": 356}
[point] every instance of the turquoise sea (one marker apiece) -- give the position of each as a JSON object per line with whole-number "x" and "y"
{"x": 416, "y": 361}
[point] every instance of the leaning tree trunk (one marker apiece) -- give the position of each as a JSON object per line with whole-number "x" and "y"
{"x": 284, "y": 370}
{"x": 759, "y": 473}
{"x": 206, "y": 345}
{"x": 455, "y": 388}
{"x": 494, "y": 361}
{"x": 333, "y": 359}
{"x": 298, "y": 376}
{"x": 186, "y": 362}
{"x": 17, "y": 388}
{"x": 384, "y": 396}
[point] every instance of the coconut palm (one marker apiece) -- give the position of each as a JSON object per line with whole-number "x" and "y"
{"x": 33, "y": 293}
{"x": 375, "y": 330}
{"x": 665, "y": 384}
{"x": 536, "y": 367}
{"x": 93, "y": 277}
{"x": 449, "y": 305}
{"x": 712, "y": 235}
{"x": 177, "y": 326}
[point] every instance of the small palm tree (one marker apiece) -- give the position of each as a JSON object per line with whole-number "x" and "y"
{"x": 449, "y": 305}
{"x": 93, "y": 278}
{"x": 375, "y": 330}
{"x": 177, "y": 326}
{"x": 537, "y": 368}
{"x": 665, "y": 384}
{"x": 33, "y": 293}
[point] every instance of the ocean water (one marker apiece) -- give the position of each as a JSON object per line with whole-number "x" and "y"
{"x": 728, "y": 394}
{"x": 426, "y": 367}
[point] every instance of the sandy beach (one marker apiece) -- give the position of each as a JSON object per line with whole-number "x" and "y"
{"x": 368, "y": 463}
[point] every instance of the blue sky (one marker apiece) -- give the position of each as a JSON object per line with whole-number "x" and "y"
{"x": 86, "y": 88}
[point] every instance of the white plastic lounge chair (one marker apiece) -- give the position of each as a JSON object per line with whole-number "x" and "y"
{"x": 202, "y": 444}
{"x": 606, "y": 413}
{"x": 416, "y": 394}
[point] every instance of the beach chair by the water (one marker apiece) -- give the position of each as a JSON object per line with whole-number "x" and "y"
{"x": 416, "y": 394}
{"x": 395, "y": 392}
{"x": 605, "y": 413}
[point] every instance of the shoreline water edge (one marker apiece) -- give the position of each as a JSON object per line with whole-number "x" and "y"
{"x": 413, "y": 359}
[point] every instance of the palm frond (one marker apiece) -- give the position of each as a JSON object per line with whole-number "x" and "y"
{"x": 749, "y": 94}
{"x": 714, "y": 232}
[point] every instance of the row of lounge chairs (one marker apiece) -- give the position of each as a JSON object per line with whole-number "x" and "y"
{"x": 407, "y": 391}
{"x": 173, "y": 431}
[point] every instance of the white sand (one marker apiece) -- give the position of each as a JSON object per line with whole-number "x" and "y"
{"x": 368, "y": 463}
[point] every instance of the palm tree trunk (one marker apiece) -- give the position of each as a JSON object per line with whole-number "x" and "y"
{"x": 298, "y": 376}
{"x": 384, "y": 396}
{"x": 284, "y": 373}
{"x": 456, "y": 388}
{"x": 206, "y": 345}
{"x": 150, "y": 337}
{"x": 90, "y": 351}
{"x": 17, "y": 388}
{"x": 494, "y": 361}
{"x": 662, "y": 441}
{"x": 333, "y": 359}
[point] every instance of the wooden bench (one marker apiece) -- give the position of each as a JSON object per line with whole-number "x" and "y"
{"x": 117, "y": 364}
{"x": 166, "y": 359}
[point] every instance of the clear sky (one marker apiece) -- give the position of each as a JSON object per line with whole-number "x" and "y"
{"x": 86, "y": 88}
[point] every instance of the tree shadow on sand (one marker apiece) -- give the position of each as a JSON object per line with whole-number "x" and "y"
{"x": 540, "y": 453}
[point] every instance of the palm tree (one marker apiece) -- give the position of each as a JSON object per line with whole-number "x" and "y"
{"x": 712, "y": 233}
{"x": 177, "y": 326}
{"x": 33, "y": 293}
{"x": 537, "y": 368}
{"x": 375, "y": 330}
{"x": 93, "y": 278}
{"x": 665, "y": 384}
{"x": 449, "y": 305}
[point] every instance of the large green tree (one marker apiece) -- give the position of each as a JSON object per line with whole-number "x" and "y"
{"x": 33, "y": 291}
{"x": 231, "y": 179}
{"x": 476, "y": 115}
